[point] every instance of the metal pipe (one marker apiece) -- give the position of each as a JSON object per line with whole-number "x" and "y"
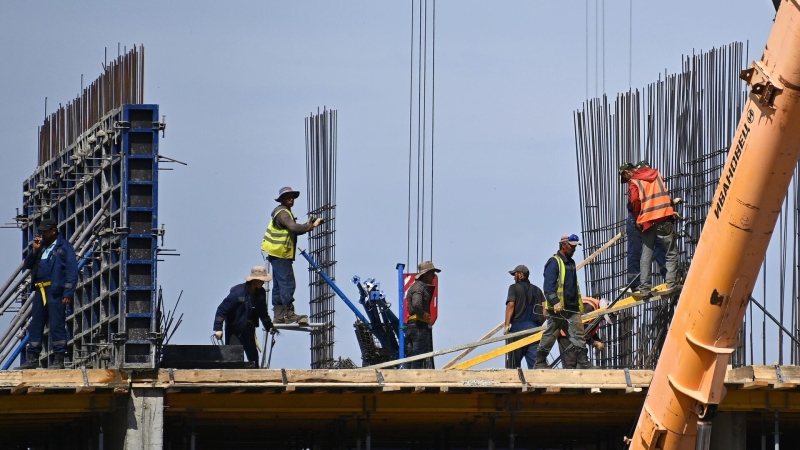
{"x": 703, "y": 440}
{"x": 401, "y": 334}
{"x": 16, "y": 352}
{"x": 333, "y": 286}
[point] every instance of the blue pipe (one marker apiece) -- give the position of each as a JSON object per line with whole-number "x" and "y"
{"x": 16, "y": 352}
{"x": 402, "y": 321}
{"x": 21, "y": 345}
{"x": 335, "y": 288}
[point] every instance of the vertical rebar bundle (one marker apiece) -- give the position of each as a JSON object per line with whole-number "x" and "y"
{"x": 122, "y": 82}
{"x": 321, "y": 181}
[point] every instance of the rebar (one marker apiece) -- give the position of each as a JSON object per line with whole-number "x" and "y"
{"x": 320, "y": 131}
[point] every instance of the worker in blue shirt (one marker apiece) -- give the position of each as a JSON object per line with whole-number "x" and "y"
{"x": 54, "y": 276}
{"x": 563, "y": 303}
{"x": 240, "y": 311}
{"x": 524, "y": 304}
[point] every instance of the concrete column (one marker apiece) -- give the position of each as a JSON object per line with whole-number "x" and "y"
{"x": 144, "y": 420}
{"x": 729, "y": 431}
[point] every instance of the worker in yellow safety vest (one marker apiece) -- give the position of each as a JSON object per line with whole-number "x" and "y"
{"x": 280, "y": 244}
{"x": 563, "y": 303}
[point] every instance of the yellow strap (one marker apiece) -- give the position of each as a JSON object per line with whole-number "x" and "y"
{"x": 421, "y": 319}
{"x": 41, "y": 287}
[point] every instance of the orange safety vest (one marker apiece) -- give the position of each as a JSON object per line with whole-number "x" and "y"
{"x": 655, "y": 200}
{"x": 595, "y": 304}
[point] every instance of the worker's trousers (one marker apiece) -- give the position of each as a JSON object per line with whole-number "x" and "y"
{"x": 635, "y": 251}
{"x": 568, "y": 322}
{"x": 419, "y": 340}
{"x": 666, "y": 231}
{"x": 53, "y": 313}
{"x": 569, "y": 359}
{"x": 529, "y": 351}
{"x": 246, "y": 338}
{"x": 283, "y": 285}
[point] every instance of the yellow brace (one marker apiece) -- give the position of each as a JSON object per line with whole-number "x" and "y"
{"x": 41, "y": 287}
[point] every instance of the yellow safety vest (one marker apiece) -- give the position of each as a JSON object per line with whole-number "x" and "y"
{"x": 278, "y": 242}
{"x": 562, "y": 272}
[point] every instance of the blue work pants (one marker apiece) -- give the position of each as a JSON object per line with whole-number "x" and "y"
{"x": 55, "y": 314}
{"x": 635, "y": 251}
{"x": 283, "y": 285}
{"x": 419, "y": 340}
{"x": 529, "y": 351}
{"x": 246, "y": 338}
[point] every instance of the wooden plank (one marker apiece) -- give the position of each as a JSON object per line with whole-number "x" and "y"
{"x": 333, "y": 376}
{"x": 418, "y": 389}
{"x": 35, "y": 390}
{"x": 238, "y": 390}
{"x": 391, "y": 388}
{"x": 552, "y": 390}
{"x": 10, "y": 378}
{"x": 755, "y": 385}
{"x": 19, "y": 389}
{"x": 173, "y": 390}
{"x": 84, "y": 389}
{"x": 444, "y": 389}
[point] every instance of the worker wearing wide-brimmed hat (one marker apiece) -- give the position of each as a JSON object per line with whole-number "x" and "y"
{"x": 245, "y": 304}
{"x": 419, "y": 335}
{"x": 280, "y": 243}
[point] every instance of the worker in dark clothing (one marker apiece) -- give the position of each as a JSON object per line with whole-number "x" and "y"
{"x": 280, "y": 243}
{"x": 524, "y": 306}
{"x": 240, "y": 311}
{"x": 634, "y": 237}
{"x": 569, "y": 359}
{"x": 54, "y": 276}
{"x": 419, "y": 334}
{"x": 563, "y": 303}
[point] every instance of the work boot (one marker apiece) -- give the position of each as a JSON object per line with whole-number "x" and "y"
{"x": 541, "y": 361}
{"x": 669, "y": 290}
{"x": 583, "y": 359}
{"x": 58, "y": 361}
{"x": 289, "y": 316}
{"x": 31, "y": 363}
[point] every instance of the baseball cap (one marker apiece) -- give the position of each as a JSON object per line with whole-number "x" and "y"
{"x": 520, "y": 268}
{"x": 47, "y": 224}
{"x": 623, "y": 168}
{"x": 571, "y": 238}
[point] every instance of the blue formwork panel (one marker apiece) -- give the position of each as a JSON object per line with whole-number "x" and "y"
{"x": 111, "y": 172}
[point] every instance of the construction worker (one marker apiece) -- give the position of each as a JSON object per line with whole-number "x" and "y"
{"x": 240, "y": 311}
{"x": 568, "y": 357}
{"x": 54, "y": 276}
{"x": 651, "y": 204}
{"x": 634, "y": 237}
{"x": 563, "y": 303}
{"x": 524, "y": 306}
{"x": 419, "y": 334}
{"x": 280, "y": 243}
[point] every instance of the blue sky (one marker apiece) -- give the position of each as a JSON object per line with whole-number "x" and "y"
{"x": 236, "y": 80}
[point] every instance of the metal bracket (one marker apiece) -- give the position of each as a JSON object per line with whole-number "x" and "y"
{"x": 85, "y": 376}
{"x": 155, "y": 335}
{"x": 379, "y": 376}
{"x": 161, "y": 126}
{"x": 628, "y": 377}
{"x": 171, "y": 376}
{"x": 779, "y": 373}
{"x": 121, "y": 230}
{"x": 522, "y": 377}
{"x": 118, "y": 338}
{"x": 120, "y": 125}
{"x": 284, "y": 377}
{"x": 761, "y": 85}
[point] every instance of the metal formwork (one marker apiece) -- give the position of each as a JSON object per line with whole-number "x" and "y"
{"x": 111, "y": 174}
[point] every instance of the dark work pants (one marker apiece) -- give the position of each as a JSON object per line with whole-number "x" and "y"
{"x": 635, "y": 252}
{"x": 53, "y": 313}
{"x": 283, "y": 284}
{"x": 529, "y": 351}
{"x": 246, "y": 339}
{"x": 569, "y": 359}
{"x": 419, "y": 340}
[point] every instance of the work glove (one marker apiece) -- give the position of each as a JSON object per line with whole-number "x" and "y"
{"x": 273, "y": 331}
{"x": 218, "y": 335}
{"x": 599, "y": 346}
{"x": 558, "y": 307}
{"x": 317, "y": 223}
{"x": 639, "y": 227}
{"x": 507, "y": 329}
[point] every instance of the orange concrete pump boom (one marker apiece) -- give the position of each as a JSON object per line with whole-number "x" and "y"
{"x": 687, "y": 384}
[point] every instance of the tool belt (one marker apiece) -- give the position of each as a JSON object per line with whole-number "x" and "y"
{"x": 41, "y": 287}
{"x": 418, "y": 318}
